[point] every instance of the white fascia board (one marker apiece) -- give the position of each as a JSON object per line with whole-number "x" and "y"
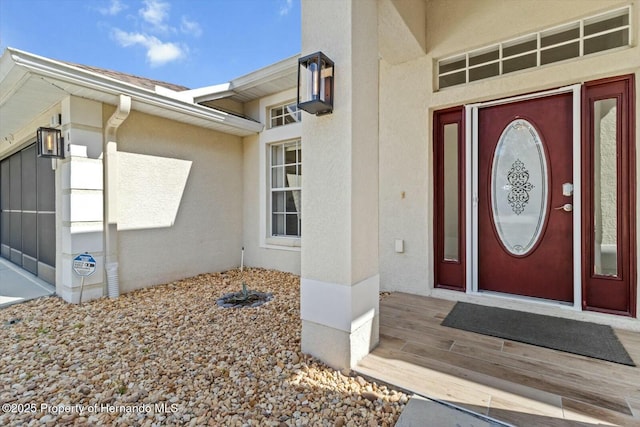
{"x": 248, "y": 81}
{"x": 266, "y": 74}
{"x": 236, "y": 86}
{"x": 213, "y": 96}
{"x": 6, "y": 64}
{"x": 209, "y": 93}
{"x": 11, "y": 79}
{"x": 55, "y": 69}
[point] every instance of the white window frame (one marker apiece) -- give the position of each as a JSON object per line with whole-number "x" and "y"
{"x": 538, "y": 50}
{"x": 273, "y": 188}
{"x": 288, "y": 109}
{"x": 266, "y": 137}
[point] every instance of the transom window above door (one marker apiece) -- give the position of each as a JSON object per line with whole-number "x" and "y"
{"x": 598, "y": 33}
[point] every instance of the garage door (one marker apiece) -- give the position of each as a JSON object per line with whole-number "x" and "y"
{"x": 27, "y": 213}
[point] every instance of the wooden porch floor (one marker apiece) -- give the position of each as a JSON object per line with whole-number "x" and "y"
{"x": 516, "y": 383}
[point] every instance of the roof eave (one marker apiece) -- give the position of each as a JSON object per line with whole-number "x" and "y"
{"x": 244, "y": 83}
{"x": 51, "y": 68}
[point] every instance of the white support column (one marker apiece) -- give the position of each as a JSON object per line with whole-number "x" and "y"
{"x": 340, "y": 281}
{"x": 80, "y": 218}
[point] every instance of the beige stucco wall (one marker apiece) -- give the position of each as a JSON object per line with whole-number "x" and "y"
{"x": 405, "y": 171}
{"x": 340, "y": 153}
{"x": 261, "y": 250}
{"x": 407, "y": 102}
{"x": 179, "y": 200}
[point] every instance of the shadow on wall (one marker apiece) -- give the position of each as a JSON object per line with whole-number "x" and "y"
{"x": 150, "y": 190}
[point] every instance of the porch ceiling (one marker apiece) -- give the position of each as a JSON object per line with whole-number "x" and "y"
{"x": 402, "y": 29}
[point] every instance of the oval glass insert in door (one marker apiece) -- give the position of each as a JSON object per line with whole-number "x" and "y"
{"x": 519, "y": 187}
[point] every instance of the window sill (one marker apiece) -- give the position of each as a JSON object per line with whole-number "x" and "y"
{"x": 284, "y": 243}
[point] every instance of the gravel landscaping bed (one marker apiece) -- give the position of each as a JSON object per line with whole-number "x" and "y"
{"x": 169, "y": 355}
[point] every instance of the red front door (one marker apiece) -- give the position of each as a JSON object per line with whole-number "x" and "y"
{"x": 525, "y": 222}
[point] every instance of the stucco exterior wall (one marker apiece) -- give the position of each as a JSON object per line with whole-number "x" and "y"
{"x": 340, "y": 281}
{"x": 408, "y": 99}
{"x": 261, "y": 250}
{"x": 179, "y": 200}
{"x": 405, "y": 178}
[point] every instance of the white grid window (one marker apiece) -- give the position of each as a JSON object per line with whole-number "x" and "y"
{"x": 591, "y": 35}
{"x": 286, "y": 189}
{"x": 284, "y": 114}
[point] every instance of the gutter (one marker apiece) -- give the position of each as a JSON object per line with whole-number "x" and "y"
{"x": 70, "y": 74}
{"x": 110, "y": 193}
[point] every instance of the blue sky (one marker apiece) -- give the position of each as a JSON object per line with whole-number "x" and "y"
{"x": 194, "y": 43}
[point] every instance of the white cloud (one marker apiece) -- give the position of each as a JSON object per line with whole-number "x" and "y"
{"x": 158, "y": 52}
{"x": 190, "y": 27}
{"x": 115, "y": 7}
{"x": 152, "y": 27}
{"x": 286, "y": 7}
{"x": 156, "y": 12}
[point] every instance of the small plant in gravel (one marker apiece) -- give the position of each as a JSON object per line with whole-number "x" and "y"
{"x": 121, "y": 388}
{"x": 244, "y": 298}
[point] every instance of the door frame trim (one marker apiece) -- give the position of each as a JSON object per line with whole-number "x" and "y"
{"x": 471, "y": 196}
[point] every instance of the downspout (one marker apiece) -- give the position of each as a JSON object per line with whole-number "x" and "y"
{"x": 110, "y": 193}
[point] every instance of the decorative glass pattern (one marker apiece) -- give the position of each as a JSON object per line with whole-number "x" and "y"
{"x": 518, "y": 178}
{"x": 519, "y": 187}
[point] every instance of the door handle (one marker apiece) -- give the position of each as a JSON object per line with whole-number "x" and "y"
{"x": 567, "y": 207}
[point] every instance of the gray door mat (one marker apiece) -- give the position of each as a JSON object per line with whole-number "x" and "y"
{"x": 572, "y": 336}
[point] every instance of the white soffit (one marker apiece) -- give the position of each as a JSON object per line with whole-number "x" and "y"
{"x": 278, "y": 77}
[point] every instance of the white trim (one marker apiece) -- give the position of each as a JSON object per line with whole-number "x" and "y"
{"x": 342, "y": 307}
{"x": 292, "y": 244}
{"x": 243, "y": 85}
{"x": 94, "y": 81}
{"x": 539, "y": 35}
{"x": 297, "y": 114}
{"x": 471, "y": 196}
{"x": 471, "y": 149}
{"x": 267, "y": 137}
{"x": 577, "y": 198}
{"x": 283, "y": 189}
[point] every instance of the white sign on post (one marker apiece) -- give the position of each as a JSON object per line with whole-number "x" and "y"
{"x": 84, "y": 264}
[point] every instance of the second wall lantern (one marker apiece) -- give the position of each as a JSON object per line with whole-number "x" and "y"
{"x": 50, "y": 143}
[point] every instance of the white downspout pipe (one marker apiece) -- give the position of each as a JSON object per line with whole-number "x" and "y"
{"x": 111, "y": 193}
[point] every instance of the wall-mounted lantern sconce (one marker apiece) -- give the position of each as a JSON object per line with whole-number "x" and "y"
{"x": 315, "y": 84}
{"x": 50, "y": 143}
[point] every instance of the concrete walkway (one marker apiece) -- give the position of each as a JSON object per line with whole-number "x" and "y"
{"x": 421, "y": 412}
{"x": 18, "y": 285}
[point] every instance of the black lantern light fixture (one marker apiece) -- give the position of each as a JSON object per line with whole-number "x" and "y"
{"x": 315, "y": 84}
{"x": 50, "y": 143}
